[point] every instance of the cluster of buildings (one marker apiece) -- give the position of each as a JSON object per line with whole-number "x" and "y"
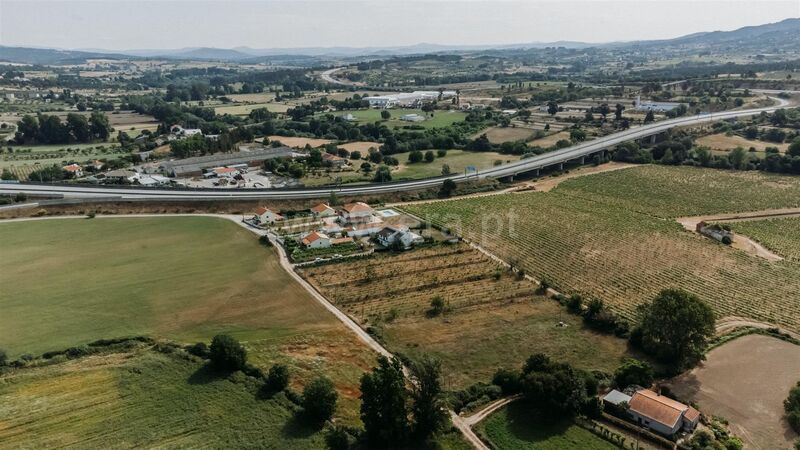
{"x": 407, "y": 99}
{"x": 654, "y": 411}
{"x": 245, "y": 157}
{"x": 346, "y": 224}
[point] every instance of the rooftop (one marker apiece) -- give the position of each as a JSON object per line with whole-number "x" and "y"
{"x": 657, "y": 407}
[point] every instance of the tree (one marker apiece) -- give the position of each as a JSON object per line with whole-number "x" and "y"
{"x": 437, "y": 306}
{"x": 3, "y": 357}
{"x": 227, "y": 354}
{"x": 588, "y": 116}
{"x": 27, "y": 129}
{"x": 383, "y": 174}
{"x": 792, "y": 407}
{"x": 633, "y": 371}
{"x": 429, "y": 156}
{"x": 441, "y": 153}
{"x": 552, "y": 108}
{"x": 649, "y": 117}
{"x": 385, "y": 115}
{"x": 448, "y": 186}
{"x": 99, "y": 125}
{"x": 618, "y": 109}
{"x": 278, "y": 377}
{"x": 446, "y": 169}
{"x": 319, "y": 400}
{"x": 415, "y": 156}
{"x": 79, "y": 127}
{"x": 7, "y": 175}
{"x": 296, "y": 171}
{"x": 428, "y": 409}
{"x": 577, "y": 135}
{"x": 383, "y": 404}
{"x": 675, "y": 328}
{"x": 604, "y": 110}
{"x": 355, "y": 155}
{"x": 794, "y": 147}
{"x": 551, "y": 388}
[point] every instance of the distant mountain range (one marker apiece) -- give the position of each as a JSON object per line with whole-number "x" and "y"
{"x": 784, "y": 34}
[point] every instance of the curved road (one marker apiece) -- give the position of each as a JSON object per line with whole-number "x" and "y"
{"x": 556, "y": 157}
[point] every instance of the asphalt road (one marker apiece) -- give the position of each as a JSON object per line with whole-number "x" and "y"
{"x": 575, "y": 152}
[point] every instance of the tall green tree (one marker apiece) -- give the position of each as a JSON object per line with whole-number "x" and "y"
{"x": 79, "y": 127}
{"x": 383, "y": 404}
{"x": 99, "y": 125}
{"x": 227, "y": 354}
{"x": 319, "y": 400}
{"x": 675, "y": 328}
{"x": 428, "y": 408}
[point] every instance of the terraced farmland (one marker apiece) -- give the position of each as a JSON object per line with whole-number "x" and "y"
{"x": 606, "y": 236}
{"x": 782, "y": 236}
{"x": 407, "y": 283}
{"x": 491, "y": 322}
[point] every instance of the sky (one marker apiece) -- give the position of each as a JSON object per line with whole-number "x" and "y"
{"x": 155, "y": 24}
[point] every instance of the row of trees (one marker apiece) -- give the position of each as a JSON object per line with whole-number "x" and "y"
{"x": 49, "y": 129}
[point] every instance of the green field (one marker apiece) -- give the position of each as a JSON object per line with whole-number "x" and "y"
{"x": 514, "y": 428}
{"x": 782, "y": 236}
{"x": 458, "y": 160}
{"x": 142, "y": 399}
{"x": 244, "y": 109}
{"x": 24, "y": 159}
{"x": 179, "y": 278}
{"x": 439, "y": 119}
{"x": 611, "y": 236}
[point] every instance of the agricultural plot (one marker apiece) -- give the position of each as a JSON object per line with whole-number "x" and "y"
{"x": 782, "y": 235}
{"x": 513, "y": 428}
{"x": 24, "y": 160}
{"x": 179, "y": 278}
{"x": 498, "y": 135}
{"x": 439, "y": 118}
{"x": 492, "y": 319}
{"x": 142, "y": 399}
{"x": 721, "y": 141}
{"x": 457, "y": 160}
{"x": 605, "y": 236}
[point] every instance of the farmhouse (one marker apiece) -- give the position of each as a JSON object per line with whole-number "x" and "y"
{"x": 323, "y": 210}
{"x": 119, "y": 176}
{"x": 152, "y": 180}
{"x": 358, "y": 212}
{"x": 195, "y": 166}
{"x": 266, "y": 215}
{"x": 333, "y": 160}
{"x": 661, "y": 414}
{"x": 655, "y": 106}
{"x": 391, "y": 236}
{"x": 73, "y": 169}
{"x": 315, "y": 239}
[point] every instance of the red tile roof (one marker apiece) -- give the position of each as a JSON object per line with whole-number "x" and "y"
{"x": 72, "y": 168}
{"x": 313, "y": 237}
{"x": 356, "y": 207}
{"x": 322, "y": 207}
{"x": 657, "y": 407}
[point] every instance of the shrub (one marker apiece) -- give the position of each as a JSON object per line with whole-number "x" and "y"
{"x": 508, "y": 380}
{"x": 3, "y": 357}
{"x": 633, "y": 371}
{"x": 319, "y": 400}
{"x": 264, "y": 240}
{"x": 792, "y": 407}
{"x": 341, "y": 437}
{"x": 227, "y": 353}
{"x": 437, "y": 306}
{"x": 441, "y": 153}
{"x": 575, "y": 304}
{"x": 278, "y": 378}
{"x": 199, "y": 349}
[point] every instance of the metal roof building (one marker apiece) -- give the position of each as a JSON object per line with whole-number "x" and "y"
{"x": 196, "y": 166}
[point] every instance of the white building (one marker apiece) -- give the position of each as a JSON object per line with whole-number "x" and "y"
{"x": 266, "y": 215}
{"x": 390, "y": 235}
{"x": 654, "y": 106}
{"x": 356, "y": 212}
{"x": 661, "y": 414}
{"x": 315, "y": 239}
{"x": 407, "y": 98}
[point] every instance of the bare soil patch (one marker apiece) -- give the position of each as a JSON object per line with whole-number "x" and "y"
{"x": 549, "y": 141}
{"x": 720, "y": 141}
{"x": 498, "y": 135}
{"x": 746, "y": 381}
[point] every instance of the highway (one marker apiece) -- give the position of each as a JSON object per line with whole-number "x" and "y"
{"x": 555, "y": 157}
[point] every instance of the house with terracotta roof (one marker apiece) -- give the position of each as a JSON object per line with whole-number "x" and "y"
{"x": 74, "y": 170}
{"x": 662, "y": 414}
{"x": 315, "y": 239}
{"x": 266, "y": 215}
{"x": 333, "y": 160}
{"x": 356, "y": 212}
{"x": 323, "y": 210}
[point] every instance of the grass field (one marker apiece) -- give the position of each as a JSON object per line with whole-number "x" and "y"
{"x": 782, "y": 236}
{"x": 394, "y": 293}
{"x": 185, "y": 279}
{"x": 498, "y": 135}
{"x": 513, "y": 428}
{"x": 142, "y": 399}
{"x": 245, "y": 108}
{"x": 720, "y": 141}
{"x": 611, "y": 235}
{"x": 549, "y": 140}
{"x": 458, "y": 160}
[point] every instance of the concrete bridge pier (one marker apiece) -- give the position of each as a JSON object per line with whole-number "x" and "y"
{"x": 560, "y": 166}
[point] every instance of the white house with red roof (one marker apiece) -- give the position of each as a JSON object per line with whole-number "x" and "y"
{"x": 661, "y": 414}
{"x": 73, "y": 169}
{"x": 323, "y": 210}
{"x": 316, "y": 239}
{"x": 356, "y": 212}
{"x": 266, "y": 215}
